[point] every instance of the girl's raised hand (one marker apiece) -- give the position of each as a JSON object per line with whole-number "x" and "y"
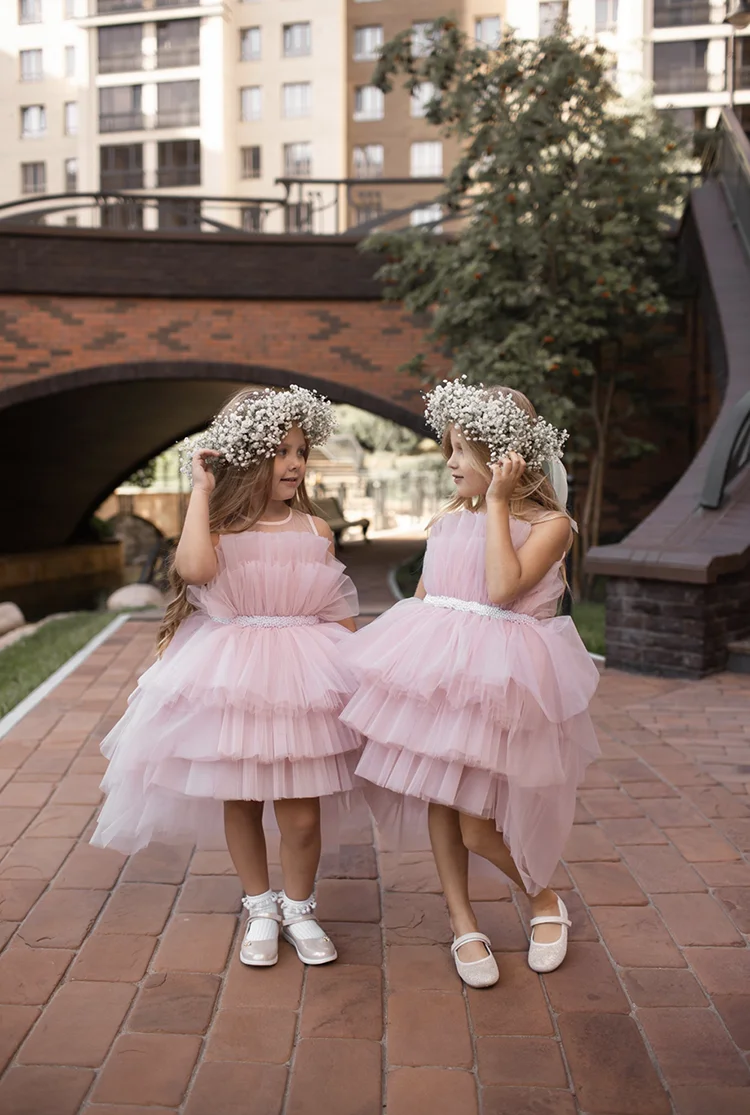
{"x": 203, "y": 478}
{"x": 505, "y": 476}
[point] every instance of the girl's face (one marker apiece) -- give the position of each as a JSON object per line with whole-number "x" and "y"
{"x": 470, "y": 481}
{"x": 289, "y": 465}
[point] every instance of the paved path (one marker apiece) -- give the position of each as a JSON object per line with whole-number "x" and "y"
{"x": 121, "y": 993}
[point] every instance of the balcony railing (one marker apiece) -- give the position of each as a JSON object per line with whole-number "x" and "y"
{"x": 120, "y": 63}
{"x": 121, "y": 180}
{"x": 689, "y": 13}
{"x": 178, "y": 176}
{"x": 683, "y": 81}
{"x": 172, "y": 57}
{"x": 184, "y": 116}
{"x": 114, "y": 7}
{"x": 121, "y": 122}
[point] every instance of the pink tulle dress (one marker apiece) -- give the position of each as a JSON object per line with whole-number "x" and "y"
{"x": 245, "y": 702}
{"x": 476, "y": 707}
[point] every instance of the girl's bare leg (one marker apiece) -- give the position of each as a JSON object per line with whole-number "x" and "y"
{"x": 452, "y": 861}
{"x": 481, "y": 837}
{"x": 243, "y": 826}
{"x": 299, "y": 824}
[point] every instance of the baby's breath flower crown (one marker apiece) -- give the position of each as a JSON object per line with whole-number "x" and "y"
{"x": 253, "y": 428}
{"x": 493, "y": 419}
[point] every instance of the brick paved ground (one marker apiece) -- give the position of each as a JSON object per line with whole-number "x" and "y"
{"x": 121, "y": 993}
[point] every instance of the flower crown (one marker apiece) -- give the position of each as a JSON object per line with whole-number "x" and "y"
{"x": 253, "y": 428}
{"x": 495, "y": 420}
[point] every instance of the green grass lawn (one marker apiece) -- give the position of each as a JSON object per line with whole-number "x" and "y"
{"x": 26, "y": 664}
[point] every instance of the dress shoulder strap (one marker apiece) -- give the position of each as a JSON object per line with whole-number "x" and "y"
{"x": 313, "y": 527}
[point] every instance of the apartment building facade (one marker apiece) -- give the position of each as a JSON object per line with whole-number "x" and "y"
{"x": 224, "y": 98}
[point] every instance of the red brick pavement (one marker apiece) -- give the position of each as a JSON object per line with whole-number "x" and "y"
{"x": 121, "y": 992}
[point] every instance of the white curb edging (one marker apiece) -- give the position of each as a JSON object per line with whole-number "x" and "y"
{"x": 37, "y": 695}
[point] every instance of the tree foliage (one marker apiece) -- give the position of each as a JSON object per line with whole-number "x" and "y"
{"x": 555, "y": 212}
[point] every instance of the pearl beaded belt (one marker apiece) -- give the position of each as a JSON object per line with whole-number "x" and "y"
{"x": 267, "y": 621}
{"x": 457, "y": 605}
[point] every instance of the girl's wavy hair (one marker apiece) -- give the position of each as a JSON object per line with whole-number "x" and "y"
{"x": 533, "y": 497}
{"x": 236, "y": 504}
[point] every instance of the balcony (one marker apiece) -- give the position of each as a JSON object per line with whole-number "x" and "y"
{"x": 183, "y": 116}
{"x": 178, "y": 176}
{"x": 686, "y": 13}
{"x": 121, "y": 63}
{"x": 114, "y": 7}
{"x": 171, "y": 58}
{"x": 742, "y": 77}
{"x": 121, "y": 180}
{"x": 121, "y": 122}
{"x": 687, "y": 81}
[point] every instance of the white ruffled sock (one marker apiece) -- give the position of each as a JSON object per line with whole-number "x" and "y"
{"x": 303, "y": 930}
{"x": 260, "y": 929}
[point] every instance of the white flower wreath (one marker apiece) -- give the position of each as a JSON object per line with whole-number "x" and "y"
{"x": 495, "y": 420}
{"x": 253, "y": 429}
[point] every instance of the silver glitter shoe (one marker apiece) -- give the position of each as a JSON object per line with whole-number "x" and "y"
{"x": 310, "y": 950}
{"x": 476, "y": 973}
{"x": 263, "y": 953}
{"x": 547, "y": 957}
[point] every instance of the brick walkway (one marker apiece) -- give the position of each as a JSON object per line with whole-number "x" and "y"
{"x": 121, "y": 993}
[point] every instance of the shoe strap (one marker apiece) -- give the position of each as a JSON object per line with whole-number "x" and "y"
{"x": 550, "y": 921}
{"x": 293, "y": 919}
{"x": 268, "y": 916}
{"x": 467, "y": 937}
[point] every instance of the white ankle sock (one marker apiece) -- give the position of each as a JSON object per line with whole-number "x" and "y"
{"x": 303, "y": 930}
{"x": 261, "y": 929}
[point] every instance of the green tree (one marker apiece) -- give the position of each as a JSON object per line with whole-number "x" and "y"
{"x": 556, "y": 209}
{"x": 375, "y": 433}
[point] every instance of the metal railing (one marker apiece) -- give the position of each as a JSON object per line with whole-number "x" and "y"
{"x": 121, "y": 122}
{"x": 115, "y": 180}
{"x": 728, "y": 159}
{"x": 178, "y": 176}
{"x": 120, "y": 63}
{"x": 184, "y": 116}
{"x": 689, "y": 13}
{"x": 682, "y": 81}
{"x": 169, "y": 58}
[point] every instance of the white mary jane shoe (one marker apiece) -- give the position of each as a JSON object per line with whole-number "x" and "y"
{"x": 476, "y": 973}
{"x": 260, "y": 949}
{"x": 312, "y": 948}
{"x": 547, "y": 957}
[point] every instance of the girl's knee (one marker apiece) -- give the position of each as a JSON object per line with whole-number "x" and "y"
{"x": 300, "y": 824}
{"x": 474, "y": 833}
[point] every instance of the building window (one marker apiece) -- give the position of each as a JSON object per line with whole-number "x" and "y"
{"x": 178, "y": 104}
{"x": 297, "y": 99}
{"x": 70, "y": 61}
{"x": 29, "y": 11}
{"x": 70, "y": 9}
{"x": 368, "y": 161}
{"x": 487, "y": 30}
{"x": 250, "y": 162}
{"x": 250, "y": 102}
{"x": 606, "y": 15}
{"x": 421, "y": 97}
{"x": 120, "y": 109}
{"x": 33, "y": 178}
{"x": 180, "y": 213}
{"x": 31, "y": 65}
{"x": 422, "y": 38}
{"x": 427, "y": 215}
{"x": 125, "y": 214}
{"x": 179, "y": 163}
{"x": 71, "y": 118}
{"x": 121, "y": 48}
{"x": 551, "y": 14}
{"x": 426, "y": 159}
{"x": 121, "y": 166}
{"x": 253, "y": 217}
{"x": 71, "y": 176}
{"x": 369, "y": 103}
{"x": 178, "y": 43}
{"x": 682, "y": 67}
{"x": 297, "y": 160}
{"x": 33, "y": 121}
{"x": 367, "y": 43}
{"x": 298, "y": 217}
{"x": 250, "y": 44}
{"x": 297, "y": 39}
{"x": 368, "y": 207}
{"x": 72, "y": 221}
{"x": 683, "y": 13}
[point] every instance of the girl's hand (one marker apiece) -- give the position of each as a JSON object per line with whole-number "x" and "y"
{"x": 505, "y": 476}
{"x": 203, "y": 479}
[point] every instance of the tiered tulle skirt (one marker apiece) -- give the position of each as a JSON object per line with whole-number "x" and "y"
{"x": 482, "y": 714}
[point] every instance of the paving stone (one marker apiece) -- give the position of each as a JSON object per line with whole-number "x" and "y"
{"x": 196, "y": 943}
{"x": 224, "y": 1089}
{"x": 651, "y": 790}
{"x": 696, "y": 919}
{"x": 628, "y": 770}
{"x": 725, "y": 874}
{"x": 13, "y": 822}
{"x": 78, "y": 1026}
{"x": 735, "y": 1013}
{"x": 701, "y": 845}
{"x": 692, "y": 1047}
{"x": 588, "y": 843}
{"x": 633, "y": 830}
{"x": 348, "y": 900}
{"x": 352, "y": 861}
{"x": 343, "y": 1002}
{"x": 17, "y": 896}
{"x": 420, "y": 968}
{"x": 175, "y": 1003}
{"x": 531, "y": 1061}
{"x": 721, "y": 971}
{"x": 699, "y": 1101}
{"x": 210, "y": 894}
{"x": 279, "y": 986}
{"x": 607, "y": 884}
{"x": 29, "y": 975}
{"x": 44, "y": 1090}
{"x": 411, "y": 919}
{"x": 206, "y": 862}
{"x": 736, "y": 902}
{"x": 34, "y": 858}
{"x": 112, "y": 956}
{"x": 61, "y": 820}
{"x": 501, "y": 923}
{"x": 527, "y": 1101}
{"x": 327, "y": 1067}
{"x": 78, "y": 789}
{"x": 637, "y": 937}
{"x": 62, "y": 919}
{"x": 611, "y": 1068}
{"x": 663, "y": 987}
{"x": 86, "y": 866}
{"x": 15, "y": 1023}
{"x": 428, "y": 1028}
{"x": 409, "y": 872}
{"x": 159, "y": 863}
{"x": 357, "y": 942}
{"x": 610, "y": 803}
{"x": 485, "y": 887}
{"x": 737, "y": 830}
{"x": 148, "y": 1069}
{"x": 254, "y": 1034}
{"x": 125, "y": 1109}
{"x": 410, "y": 1091}
{"x": 140, "y": 908}
{"x": 26, "y": 794}
{"x": 662, "y": 870}
{"x": 514, "y": 1006}
{"x": 586, "y": 982}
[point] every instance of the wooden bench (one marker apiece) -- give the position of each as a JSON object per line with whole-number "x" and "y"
{"x": 329, "y": 509}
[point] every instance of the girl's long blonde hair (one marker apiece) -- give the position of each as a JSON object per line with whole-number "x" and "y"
{"x": 534, "y": 496}
{"x": 236, "y": 504}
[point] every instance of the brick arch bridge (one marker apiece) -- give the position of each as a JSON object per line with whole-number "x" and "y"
{"x": 112, "y": 352}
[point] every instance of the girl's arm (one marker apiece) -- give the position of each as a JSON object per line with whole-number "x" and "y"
{"x": 420, "y": 592}
{"x": 325, "y": 531}
{"x": 195, "y": 558}
{"x": 511, "y": 572}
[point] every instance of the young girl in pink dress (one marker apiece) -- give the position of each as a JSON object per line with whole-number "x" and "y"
{"x": 243, "y": 705}
{"x": 474, "y": 695}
